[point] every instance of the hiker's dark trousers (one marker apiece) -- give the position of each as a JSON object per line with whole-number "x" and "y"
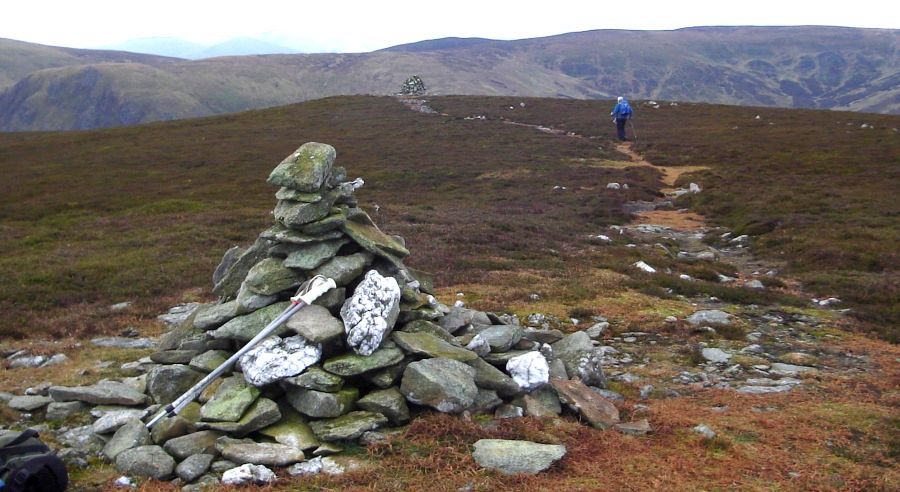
{"x": 620, "y": 127}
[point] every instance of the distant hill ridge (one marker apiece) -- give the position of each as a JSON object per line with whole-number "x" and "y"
{"x": 47, "y": 88}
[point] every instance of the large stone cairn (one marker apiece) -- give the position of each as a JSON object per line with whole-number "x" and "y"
{"x": 413, "y": 86}
{"x": 371, "y": 354}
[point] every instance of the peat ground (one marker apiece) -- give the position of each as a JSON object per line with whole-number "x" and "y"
{"x": 506, "y": 217}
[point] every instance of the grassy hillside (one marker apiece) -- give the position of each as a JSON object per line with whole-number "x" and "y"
{"x": 144, "y": 213}
{"x": 814, "y": 188}
{"x": 18, "y": 59}
{"x": 802, "y": 66}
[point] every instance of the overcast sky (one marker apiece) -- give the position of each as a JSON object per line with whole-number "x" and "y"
{"x": 368, "y": 25}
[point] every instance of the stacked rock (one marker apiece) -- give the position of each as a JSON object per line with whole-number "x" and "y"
{"x": 371, "y": 353}
{"x": 413, "y": 86}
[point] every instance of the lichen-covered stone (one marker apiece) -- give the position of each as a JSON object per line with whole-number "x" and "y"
{"x": 258, "y": 453}
{"x": 309, "y": 256}
{"x": 501, "y": 337}
{"x": 292, "y": 430}
{"x": 489, "y": 377}
{"x": 244, "y": 328}
{"x": 227, "y": 287}
{"x": 232, "y": 398}
{"x": 429, "y": 345}
{"x": 446, "y": 385}
{"x": 315, "y": 378}
{"x": 388, "y": 402}
{"x": 344, "y": 269}
{"x": 131, "y": 435}
{"x": 306, "y": 169}
{"x": 209, "y": 361}
{"x": 262, "y": 413}
{"x": 321, "y": 404}
{"x": 348, "y": 426}
{"x": 297, "y": 214}
{"x": 367, "y": 235}
{"x": 512, "y": 457}
{"x": 424, "y": 326}
{"x": 599, "y": 411}
{"x": 270, "y": 276}
{"x": 316, "y": 324}
{"x": 210, "y": 316}
{"x": 146, "y": 461}
{"x": 195, "y": 443}
{"x": 355, "y": 364}
{"x": 193, "y": 467}
{"x": 281, "y": 234}
{"x": 102, "y": 393}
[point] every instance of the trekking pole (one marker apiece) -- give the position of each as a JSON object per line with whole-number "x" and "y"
{"x": 633, "y": 132}
{"x": 306, "y": 294}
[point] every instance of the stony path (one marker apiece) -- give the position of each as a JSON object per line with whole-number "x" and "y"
{"x": 778, "y": 349}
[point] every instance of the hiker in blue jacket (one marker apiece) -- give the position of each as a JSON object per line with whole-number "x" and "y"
{"x": 621, "y": 113}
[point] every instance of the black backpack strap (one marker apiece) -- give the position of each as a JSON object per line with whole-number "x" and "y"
{"x": 23, "y": 450}
{"x": 41, "y": 473}
{"x": 22, "y": 437}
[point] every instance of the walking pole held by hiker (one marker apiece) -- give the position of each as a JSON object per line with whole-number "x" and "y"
{"x": 621, "y": 113}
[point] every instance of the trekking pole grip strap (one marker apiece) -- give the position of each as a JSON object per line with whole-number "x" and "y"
{"x": 313, "y": 289}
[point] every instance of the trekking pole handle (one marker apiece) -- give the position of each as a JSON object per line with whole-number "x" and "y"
{"x": 313, "y": 289}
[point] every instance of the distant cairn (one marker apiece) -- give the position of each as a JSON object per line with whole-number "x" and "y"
{"x": 367, "y": 356}
{"x": 413, "y": 87}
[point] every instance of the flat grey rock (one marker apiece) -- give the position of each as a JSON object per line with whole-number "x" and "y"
{"x": 166, "y": 383}
{"x": 29, "y": 403}
{"x": 195, "y": 443}
{"x": 715, "y": 355}
{"x": 112, "y": 420}
{"x": 269, "y": 454}
{"x": 316, "y": 324}
{"x": 709, "y": 317}
{"x": 193, "y": 467}
{"x": 446, "y": 385}
{"x": 130, "y": 435}
{"x": 348, "y": 426}
{"x": 123, "y": 342}
{"x": 146, "y": 461}
{"x": 102, "y": 393}
{"x": 512, "y": 457}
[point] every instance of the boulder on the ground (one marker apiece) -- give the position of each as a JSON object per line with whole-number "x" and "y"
{"x": 146, "y": 461}
{"x": 512, "y": 457}
{"x": 598, "y": 411}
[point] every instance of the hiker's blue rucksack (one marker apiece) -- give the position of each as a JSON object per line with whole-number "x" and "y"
{"x": 28, "y": 465}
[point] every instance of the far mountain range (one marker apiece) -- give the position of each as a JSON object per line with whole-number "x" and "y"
{"x": 54, "y": 88}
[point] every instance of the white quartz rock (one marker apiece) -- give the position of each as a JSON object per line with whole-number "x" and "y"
{"x": 643, "y": 266}
{"x": 275, "y": 359}
{"x": 369, "y": 315}
{"x": 247, "y": 474}
{"x": 479, "y": 345}
{"x": 530, "y": 371}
